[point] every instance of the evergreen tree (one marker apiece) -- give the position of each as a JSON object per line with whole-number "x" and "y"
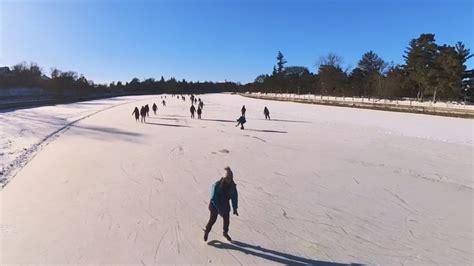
{"x": 280, "y": 63}
{"x": 448, "y": 71}
{"x": 372, "y": 67}
{"x": 420, "y": 60}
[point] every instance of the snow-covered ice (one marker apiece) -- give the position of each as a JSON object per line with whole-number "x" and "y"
{"x": 317, "y": 184}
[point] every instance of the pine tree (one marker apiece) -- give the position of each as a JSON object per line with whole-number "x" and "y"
{"x": 371, "y": 63}
{"x": 420, "y": 60}
{"x": 448, "y": 70}
{"x": 372, "y": 67}
{"x": 280, "y": 63}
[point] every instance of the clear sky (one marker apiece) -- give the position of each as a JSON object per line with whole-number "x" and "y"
{"x": 217, "y": 40}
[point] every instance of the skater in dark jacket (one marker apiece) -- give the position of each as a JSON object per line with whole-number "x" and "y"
{"x": 143, "y": 114}
{"x": 241, "y": 121}
{"x": 154, "y": 107}
{"x": 243, "y": 110}
{"x": 266, "y": 113}
{"x": 147, "y": 110}
{"x": 163, "y": 102}
{"x": 222, "y": 191}
{"x": 136, "y": 113}
{"x": 199, "y": 112}
{"x": 192, "y": 109}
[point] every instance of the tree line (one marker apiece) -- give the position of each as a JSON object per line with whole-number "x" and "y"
{"x": 430, "y": 71}
{"x": 69, "y": 83}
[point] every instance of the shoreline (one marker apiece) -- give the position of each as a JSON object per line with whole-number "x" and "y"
{"x": 467, "y": 113}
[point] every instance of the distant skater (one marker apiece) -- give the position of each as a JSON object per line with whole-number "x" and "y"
{"x": 223, "y": 191}
{"x": 163, "y": 102}
{"x": 192, "y": 109}
{"x": 201, "y": 104}
{"x": 136, "y": 113}
{"x": 266, "y": 113}
{"x": 241, "y": 121}
{"x": 199, "y": 112}
{"x": 147, "y": 109}
{"x": 154, "y": 107}
{"x": 243, "y": 110}
{"x": 143, "y": 114}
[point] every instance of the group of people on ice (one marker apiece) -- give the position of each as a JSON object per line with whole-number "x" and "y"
{"x": 193, "y": 109}
{"x": 144, "y": 111}
{"x": 241, "y": 120}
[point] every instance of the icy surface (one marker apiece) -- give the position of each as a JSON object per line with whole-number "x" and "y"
{"x": 316, "y": 184}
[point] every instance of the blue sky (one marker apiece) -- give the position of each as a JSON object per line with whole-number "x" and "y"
{"x": 217, "y": 40}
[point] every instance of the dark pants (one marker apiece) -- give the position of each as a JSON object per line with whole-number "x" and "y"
{"x": 213, "y": 218}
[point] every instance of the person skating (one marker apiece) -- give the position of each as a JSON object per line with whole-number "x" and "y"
{"x": 136, "y": 113}
{"x": 154, "y": 107}
{"x": 199, "y": 112}
{"x": 192, "y": 109}
{"x": 163, "y": 102}
{"x": 201, "y": 104}
{"x": 143, "y": 114}
{"x": 243, "y": 110}
{"x": 241, "y": 121}
{"x": 266, "y": 113}
{"x": 147, "y": 109}
{"x": 223, "y": 191}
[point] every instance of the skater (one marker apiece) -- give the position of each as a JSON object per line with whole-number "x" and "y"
{"x": 199, "y": 112}
{"x": 136, "y": 113}
{"x": 201, "y": 104}
{"x": 147, "y": 109}
{"x": 154, "y": 107}
{"x": 266, "y": 113}
{"x": 222, "y": 191}
{"x": 163, "y": 102}
{"x": 143, "y": 114}
{"x": 192, "y": 109}
{"x": 241, "y": 121}
{"x": 243, "y": 110}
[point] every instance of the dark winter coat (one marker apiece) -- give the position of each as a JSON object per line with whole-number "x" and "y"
{"x": 222, "y": 193}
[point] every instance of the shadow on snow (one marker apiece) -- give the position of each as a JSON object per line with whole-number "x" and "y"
{"x": 271, "y": 255}
{"x": 266, "y": 131}
{"x": 166, "y": 125}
